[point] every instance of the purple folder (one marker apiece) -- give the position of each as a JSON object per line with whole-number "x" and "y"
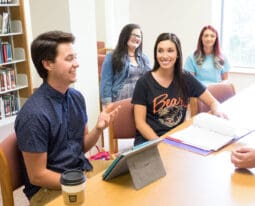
{"x": 187, "y": 147}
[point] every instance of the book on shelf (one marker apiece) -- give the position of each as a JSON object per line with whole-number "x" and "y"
{"x": 6, "y": 1}
{"x": 10, "y": 78}
{"x": 14, "y": 103}
{"x": 1, "y": 22}
{"x": 9, "y": 52}
{"x": 5, "y": 23}
{"x": 9, "y": 104}
{"x": 1, "y": 53}
{"x": 209, "y": 132}
{"x": 7, "y": 79}
{"x": 1, "y": 107}
{"x": 6, "y": 52}
{"x": 143, "y": 162}
{"x": 3, "y": 80}
{"x": 13, "y": 77}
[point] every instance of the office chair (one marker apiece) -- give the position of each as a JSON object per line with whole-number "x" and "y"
{"x": 123, "y": 126}
{"x": 221, "y": 92}
{"x": 100, "y": 60}
{"x": 101, "y": 53}
{"x": 101, "y": 47}
{"x": 10, "y": 175}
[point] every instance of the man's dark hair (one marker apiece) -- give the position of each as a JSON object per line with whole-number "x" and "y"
{"x": 44, "y": 47}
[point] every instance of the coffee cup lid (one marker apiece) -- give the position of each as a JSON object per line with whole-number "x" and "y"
{"x": 72, "y": 177}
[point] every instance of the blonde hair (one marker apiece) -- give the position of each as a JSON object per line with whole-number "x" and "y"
{"x": 217, "y": 60}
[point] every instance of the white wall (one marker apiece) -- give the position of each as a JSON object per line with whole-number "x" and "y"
{"x": 79, "y": 18}
{"x": 242, "y": 80}
{"x": 184, "y": 18}
{"x": 83, "y": 26}
{"x": 47, "y": 15}
{"x": 100, "y": 20}
{"x": 111, "y": 16}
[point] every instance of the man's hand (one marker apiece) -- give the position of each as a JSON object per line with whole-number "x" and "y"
{"x": 243, "y": 157}
{"x": 107, "y": 116}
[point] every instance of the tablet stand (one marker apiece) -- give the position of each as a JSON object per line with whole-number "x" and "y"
{"x": 145, "y": 167}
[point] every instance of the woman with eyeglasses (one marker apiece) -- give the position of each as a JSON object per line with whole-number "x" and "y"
{"x": 124, "y": 66}
{"x": 162, "y": 95}
{"x": 208, "y": 63}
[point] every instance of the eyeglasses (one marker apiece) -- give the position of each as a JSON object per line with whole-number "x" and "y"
{"x": 136, "y": 35}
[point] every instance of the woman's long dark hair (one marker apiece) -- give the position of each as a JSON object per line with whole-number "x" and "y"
{"x": 178, "y": 67}
{"x": 120, "y": 53}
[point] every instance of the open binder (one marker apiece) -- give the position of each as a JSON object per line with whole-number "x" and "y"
{"x": 143, "y": 163}
{"x": 209, "y": 133}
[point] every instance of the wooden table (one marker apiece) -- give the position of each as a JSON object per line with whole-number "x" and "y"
{"x": 191, "y": 179}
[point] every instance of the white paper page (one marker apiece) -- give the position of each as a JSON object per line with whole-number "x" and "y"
{"x": 209, "y": 132}
{"x": 214, "y": 123}
{"x": 202, "y": 138}
{"x": 220, "y": 125}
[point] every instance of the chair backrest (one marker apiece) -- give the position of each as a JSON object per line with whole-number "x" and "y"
{"x": 123, "y": 126}
{"x": 10, "y": 175}
{"x": 100, "y": 60}
{"x": 221, "y": 92}
{"x": 101, "y": 47}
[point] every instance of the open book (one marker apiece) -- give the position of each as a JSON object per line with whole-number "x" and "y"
{"x": 209, "y": 132}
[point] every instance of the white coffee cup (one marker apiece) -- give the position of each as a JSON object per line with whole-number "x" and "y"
{"x": 73, "y": 185}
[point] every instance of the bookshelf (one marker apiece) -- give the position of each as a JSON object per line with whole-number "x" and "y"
{"x": 15, "y": 76}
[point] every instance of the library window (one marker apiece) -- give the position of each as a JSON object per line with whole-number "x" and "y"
{"x": 238, "y": 39}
